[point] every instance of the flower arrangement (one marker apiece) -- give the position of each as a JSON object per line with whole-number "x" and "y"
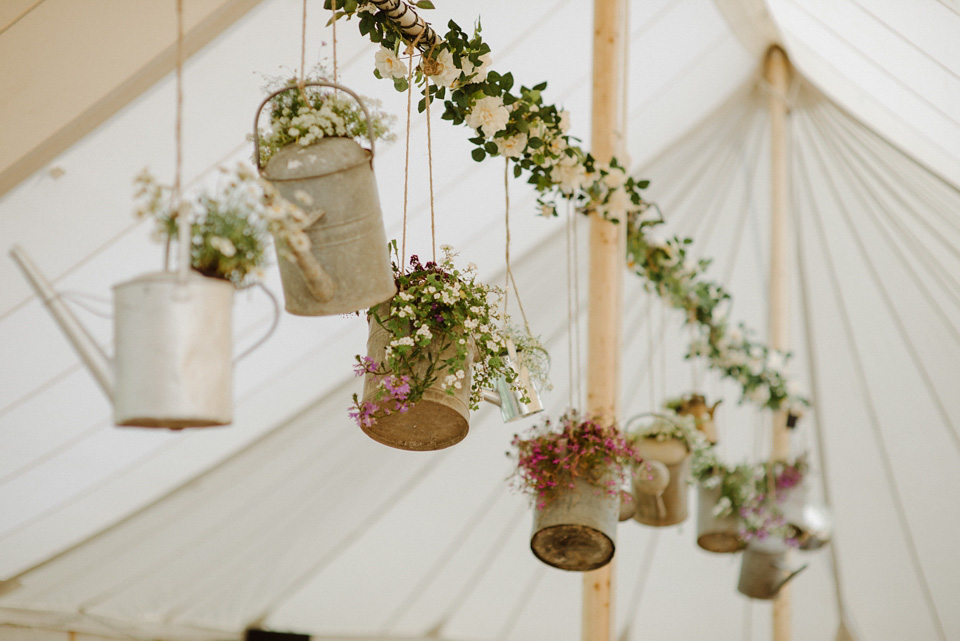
{"x": 305, "y": 116}
{"x": 437, "y": 307}
{"x": 550, "y": 456}
{"x": 229, "y": 227}
{"x": 737, "y": 484}
{"x": 521, "y": 127}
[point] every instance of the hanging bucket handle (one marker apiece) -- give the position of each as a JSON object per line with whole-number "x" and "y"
{"x": 667, "y": 417}
{"x": 273, "y": 324}
{"x": 318, "y": 83}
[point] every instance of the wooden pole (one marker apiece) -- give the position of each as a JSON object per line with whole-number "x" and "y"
{"x": 777, "y": 73}
{"x": 605, "y": 285}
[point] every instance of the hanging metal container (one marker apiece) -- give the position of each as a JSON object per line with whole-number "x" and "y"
{"x": 173, "y": 363}
{"x": 348, "y": 265}
{"x": 716, "y": 533}
{"x": 764, "y": 570}
{"x": 172, "y": 341}
{"x": 667, "y": 461}
{"x": 577, "y": 529}
{"x": 510, "y": 401}
{"x": 696, "y": 405}
{"x": 811, "y": 522}
{"x": 628, "y": 506}
{"x": 436, "y": 421}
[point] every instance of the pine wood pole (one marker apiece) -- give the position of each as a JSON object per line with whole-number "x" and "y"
{"x": 605, "y": 285}
{"x": 777, "y": 71}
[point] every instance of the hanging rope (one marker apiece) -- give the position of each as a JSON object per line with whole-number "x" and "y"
{"x": 303, "y": 50}
{"x": 570, "y": 306}
{"x": 406, "y": 158}
{"x": 576, "y": 298}
{"x": 508, "y": 276}
{"x": 183, "y": 220}
{"x": 433, "y": 223}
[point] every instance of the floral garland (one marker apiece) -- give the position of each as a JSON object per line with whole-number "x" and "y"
{"x": 519, "y": 126}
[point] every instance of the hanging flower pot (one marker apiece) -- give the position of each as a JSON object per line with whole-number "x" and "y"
{"x": 530, "y": 364}
{"x": 311, "y": 158}
{"x": 723, "y": 491}
{"x": 661, "y": 484}
{"x": 574, "y": 473}
{"x": 810, "y": 523}
{"x": 431, "y": 353}
{"x": 695, "y": 405}
{"x": 172, "y": 366}
{"x": 763, "y": 568}
{"x": 717, "y": 523}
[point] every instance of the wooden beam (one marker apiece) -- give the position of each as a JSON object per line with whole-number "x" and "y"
{"x": 605, "y": 285}
{"x": 777, "y": 73}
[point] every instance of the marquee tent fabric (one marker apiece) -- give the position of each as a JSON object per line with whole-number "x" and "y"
{"x": 291, "y": 519}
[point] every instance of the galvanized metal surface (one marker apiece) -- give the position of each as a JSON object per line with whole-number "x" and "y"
{"x": 437, "y": 421}
{"x": 715, "y": 533}
{"x": 347, "y": 268}
{"x": 764, "y": 570}
{"x": 812, "y": 523}
{"x": 173, "y": 343}
{"x": 577, "y": 530}
{"x": 670, "y": 506}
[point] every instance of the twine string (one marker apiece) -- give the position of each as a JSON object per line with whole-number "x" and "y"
{"x": 509, "y": 278}
{"x": 183, "y": 221}
{"x": 433, "y": 224}
{"x": 406, "y": 157}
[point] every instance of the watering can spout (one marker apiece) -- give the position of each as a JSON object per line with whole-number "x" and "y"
{"x": 789, "y": 577}
{"x": 491, "y": 396}
{"x": 95, "y": 359}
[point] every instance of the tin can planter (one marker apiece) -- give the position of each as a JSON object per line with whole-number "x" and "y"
{"x": 669, "y": 505}
{"x": 173, "y": 365}
{"x": 764, "y": 570}
{"x": 347, "y": 268}
{"x": 436, "y": 421}
{"x": 811, "y": 523}
{"x": 716, "y": 533}
{"x": 577, "y": 530}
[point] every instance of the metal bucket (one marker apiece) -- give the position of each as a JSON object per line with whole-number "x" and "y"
{"x": 173, "y": 343}
{"x": 669, "y": 505}
{"x": 811, "y": 523}
{"x": 437, "y": 421}
{"x": 764, "y": 569}
{"x": 577, "y": 530}
{"x": 714, "y": 533}
{"x": 348, "y": 259}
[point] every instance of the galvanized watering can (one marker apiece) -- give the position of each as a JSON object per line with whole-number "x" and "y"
{"x": 661, "y": 482}
{"x": 173, "y": 340}
{"x": 510, "y": 401}
{"x": 348, "y": 265}
{"x": 696, "y": 405}
{"x": 811, "y": 522}
{"x": 764, "y": 569}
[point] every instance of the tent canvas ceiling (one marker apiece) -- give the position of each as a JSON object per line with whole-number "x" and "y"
{"x": 292, "y": 518}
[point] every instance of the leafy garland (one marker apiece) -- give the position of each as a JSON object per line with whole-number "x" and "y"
{"x": 519, "y": 126}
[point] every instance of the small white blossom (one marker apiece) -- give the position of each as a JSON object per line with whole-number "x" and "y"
{"x": 564, "y": 123}
{"x": 512, "y": 147}
{"x": 447, "y": 71}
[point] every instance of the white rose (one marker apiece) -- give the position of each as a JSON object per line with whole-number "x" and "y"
{"x": 447, "y": 72}
{"x": 564, "y": 123}
{"x": 512, "y": 147}
{"x": 488, "y": 116}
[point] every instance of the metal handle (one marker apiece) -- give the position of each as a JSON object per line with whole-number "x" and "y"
{"x": 319, "y": 83}
{"x": 273, "y": 326}
{"x": 667, "y": 417}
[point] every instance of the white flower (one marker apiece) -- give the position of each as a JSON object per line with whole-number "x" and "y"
{"x": 568, "y": 175}
{"x": 488, "y": 115}
{"x": 775, "y": 360}
{"x": 723, "y": 506}
{"x": 447, "y": 72}
{"x": 564, "y": 123}
{"x": 389, "y": 65}
{"x": 480, "y": 71}
{"x": 759, "y": 395}
{"x": 615, "y": 178}
{"x": 512, "y": 147}
{"x": 619, "y": 203}
{"x": 223, "y": 245}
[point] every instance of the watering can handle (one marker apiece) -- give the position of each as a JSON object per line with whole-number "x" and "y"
{"x": 273, "y": 326}
{"x": 789, "y": 577}
{"x": 644, "y": 414}
{"x": 319, "y": 83}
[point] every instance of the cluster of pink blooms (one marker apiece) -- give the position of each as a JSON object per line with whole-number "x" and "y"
{"x": 396, "y": 392}
{"x": 549, "y": 460}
